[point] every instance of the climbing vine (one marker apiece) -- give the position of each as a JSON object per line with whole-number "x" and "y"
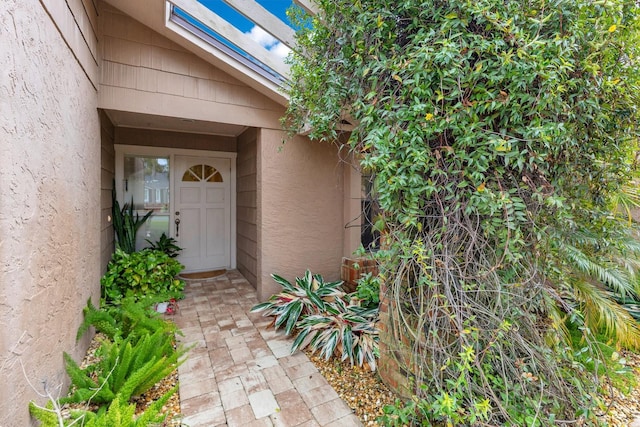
{"x": 499, "y": 132}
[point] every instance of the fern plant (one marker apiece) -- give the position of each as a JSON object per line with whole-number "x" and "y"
{"x": 131, "y": 318}
{"x": 308, "y": 295}
{"x": 127, "y": 367}
{"x": 119, "y": 413}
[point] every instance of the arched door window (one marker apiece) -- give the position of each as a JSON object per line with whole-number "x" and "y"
{"x": 202, "y": 173}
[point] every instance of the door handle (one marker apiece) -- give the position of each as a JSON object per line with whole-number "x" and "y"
{"x": 177, "y": 221}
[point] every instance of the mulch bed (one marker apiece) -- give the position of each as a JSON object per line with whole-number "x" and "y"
{"x": 365, "y": 393}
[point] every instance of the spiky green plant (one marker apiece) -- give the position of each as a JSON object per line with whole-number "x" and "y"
{"x": 308, "y": 295}
{"x": 131, "y": 318}
{"x": 119, "y": 413}
{"x": 126, "y": 224}
{"x": 165, "y": 244}
{"x": 127, "y": 367}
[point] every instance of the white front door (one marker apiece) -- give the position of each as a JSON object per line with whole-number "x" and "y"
{"x": 202, "y": 221}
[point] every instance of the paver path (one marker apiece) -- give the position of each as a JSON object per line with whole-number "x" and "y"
{"x": 241, "y": 374}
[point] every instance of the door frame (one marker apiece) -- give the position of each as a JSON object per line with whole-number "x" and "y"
{"x": 139, "y": 150}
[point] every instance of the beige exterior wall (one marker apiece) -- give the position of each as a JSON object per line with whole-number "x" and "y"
{"x": 300, "y": 209}
{"x": 247, "y": 239}
{"x": 145, "y": 72}
{"x": 49, "y": 199}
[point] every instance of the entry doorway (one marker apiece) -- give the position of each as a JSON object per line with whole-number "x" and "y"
{"x": 202, "y": 218}
{"x": 197, "y": 209}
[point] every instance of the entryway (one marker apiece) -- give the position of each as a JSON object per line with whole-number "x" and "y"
{"x": 192, "y": 196}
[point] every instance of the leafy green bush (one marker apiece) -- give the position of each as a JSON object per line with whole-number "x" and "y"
{"x": 166, "y": 245}
{"x": 347, "y": 331}
{"x": 499, "y": 133}
{"x": 324, "y": 318}
{"x": 308, "y": 295}
{"x": 143, "y": 273}
{"x": 126, "y": 368}
{"x": 368, "y": 290}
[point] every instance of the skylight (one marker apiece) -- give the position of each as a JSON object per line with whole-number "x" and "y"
{"x": 260, "y": 42}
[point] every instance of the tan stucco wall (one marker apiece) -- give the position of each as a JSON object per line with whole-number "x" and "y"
{"x": 49, "y": 198}
{"x": 144, "y": 72}
{"x": 300, "y": 209}
{"x": 247, "y": 239}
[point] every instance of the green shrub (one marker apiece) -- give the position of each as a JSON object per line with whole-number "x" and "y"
{"x": 126, "y": 368}
{"x": 498, "y": 133}
{"x": 325, "y": 319}
{"x": 144, "y": 273}
{"x": 308, "y": 295}
{"x": 599, "y": 356}
{"x": 368, "y": 290}
{"x": 166, "y": 245}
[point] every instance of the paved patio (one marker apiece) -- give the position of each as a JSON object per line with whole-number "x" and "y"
{"x": 242, "y": 374}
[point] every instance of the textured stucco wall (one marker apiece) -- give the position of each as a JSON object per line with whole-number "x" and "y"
{"x": 300, "y": 209}
{"x": 247, "y": 209}
{"x": 49, "y": 198}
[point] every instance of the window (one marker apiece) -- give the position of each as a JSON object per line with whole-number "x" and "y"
{"x": 198, "y": 173}
{"x": 369, "y": 235}
{"x": 146, "y": 183}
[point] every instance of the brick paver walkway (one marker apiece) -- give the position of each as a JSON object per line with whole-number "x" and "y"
{"x": 242, "y": 374}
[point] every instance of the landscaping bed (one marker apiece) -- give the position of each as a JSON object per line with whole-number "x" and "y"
{"x": 366, "y": 395}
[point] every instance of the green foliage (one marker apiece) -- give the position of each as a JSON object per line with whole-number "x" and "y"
{"x": 308, "y": 295}
{"x": 165, "y": 244}
{"x": 341, "y": 330}
{"x": 500, "y": 134}
{"x": 46, "y": 415}
{"x": 125, "y": 224}
{"x": 147, "y": 272}
{"x": 119, "y": 413}
{"x": 368, "y": 290}
{"x": 324, "y": 319}
{"x": 126, "y": 368}
{"x": 130, "y": 318}
{"x": 607, "y": 360}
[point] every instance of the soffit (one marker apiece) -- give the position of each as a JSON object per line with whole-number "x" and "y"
{"x": 174, "y": 124}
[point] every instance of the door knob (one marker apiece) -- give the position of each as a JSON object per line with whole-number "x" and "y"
{"x": 177, "y": 221}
